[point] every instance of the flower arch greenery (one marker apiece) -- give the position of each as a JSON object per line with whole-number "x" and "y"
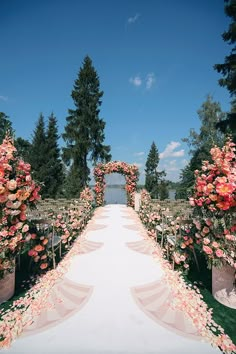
{"x": 130, "y": 172}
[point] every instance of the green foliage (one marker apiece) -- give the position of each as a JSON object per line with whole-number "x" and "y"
{"x": 38, "y": 153}
{"x": 153, "y": 177}
{"x": 5, "y": 126}
{"x": 55, "y": 175}
{"x": 23, "y": 147}
{"x": 45, "y": 158}
{"x": 228, "y": 69}
{"x": 185, "y": 186}
{"x": 223, "y": 315}
{"x": 84, "y": 132}
{"x": 200, "y": 144}
{"x": 163, "y": 190}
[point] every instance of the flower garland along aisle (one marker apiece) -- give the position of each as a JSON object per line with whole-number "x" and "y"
{"x": 186, "y": 297}
{"x": 26, "y": 308}
{"x": 67, "y": 226}
{"x": 130, "y": 172}
{"x": 158, "y": 228}
{"x": 17, "y": 193}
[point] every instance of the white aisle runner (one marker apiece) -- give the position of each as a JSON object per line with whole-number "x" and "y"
{"x": 98, "y": 312}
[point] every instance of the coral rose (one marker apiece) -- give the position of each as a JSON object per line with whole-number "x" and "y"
{"x": 207, "y": 250}
{"x": 219, "y": 253}
{"x": 43, "y": 265}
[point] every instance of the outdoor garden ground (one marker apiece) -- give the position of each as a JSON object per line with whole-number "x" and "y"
{"x": 112, "y": 297}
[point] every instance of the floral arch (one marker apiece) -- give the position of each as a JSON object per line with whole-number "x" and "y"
{"x": 130, "y": 172}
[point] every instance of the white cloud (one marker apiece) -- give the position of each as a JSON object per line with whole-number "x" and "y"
{"x": 150, "y": 80}
{"x": 3, "y": 98}
{"x": 139, "y": 154}
{"x": 133, "y": 19}
{"x": 138, "y": 164}
{"x": 172, "y": 168}
{"x": 170, "y": 150}
{"x": 136, "y": 81}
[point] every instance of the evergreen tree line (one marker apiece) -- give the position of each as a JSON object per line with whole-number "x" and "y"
{"x": 65, "y": 172}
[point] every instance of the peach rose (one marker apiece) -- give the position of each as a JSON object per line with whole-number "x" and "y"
{"x": 206, "y": 241}
{"x": 12, "y": 197}
{"x": 11, "y": 185}
{"x": 215, "y": 244}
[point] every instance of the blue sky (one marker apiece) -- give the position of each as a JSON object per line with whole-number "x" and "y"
{"x": 154, "y": 60}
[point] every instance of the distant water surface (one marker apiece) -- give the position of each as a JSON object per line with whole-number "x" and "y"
{"x": 115, "y": 195}
{"x": 118, "y": 195}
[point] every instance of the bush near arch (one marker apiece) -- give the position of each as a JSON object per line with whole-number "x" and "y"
{"x": 130, "y": 172}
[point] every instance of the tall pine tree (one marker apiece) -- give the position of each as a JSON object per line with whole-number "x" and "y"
{"x": 38, "y": 153}
{"x": 84, "y": 132}
{"x": 55, "y": 175}
{"x": 153, "y": 177}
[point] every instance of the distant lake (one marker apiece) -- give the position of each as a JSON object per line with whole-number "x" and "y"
{"x": 115, "y": 195}
{"x": 118, "y": 195}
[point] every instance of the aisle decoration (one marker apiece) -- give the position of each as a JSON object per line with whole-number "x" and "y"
{"x": 130, "y": 172}
{"x": 26, "y": 308}
{"x": 66, "y": 225}
{"x": 187, "y": 298}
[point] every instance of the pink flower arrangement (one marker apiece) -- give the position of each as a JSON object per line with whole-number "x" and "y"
{"x": 214, "y": 202}
{"x": 17, "y": 193}
{"x": 130, "y": 172}
{"x": 215, "y": 186}
{"x": 26, "y": 308}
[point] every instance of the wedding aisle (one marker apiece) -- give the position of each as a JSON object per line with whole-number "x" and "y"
{"x": 112, "y": 299}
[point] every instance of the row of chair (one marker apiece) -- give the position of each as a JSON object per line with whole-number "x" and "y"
{"x": 170, "y": 230}
{"x": 44, "y": 216}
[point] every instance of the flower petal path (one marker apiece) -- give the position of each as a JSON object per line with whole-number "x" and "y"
{"x": 113, "y": 318}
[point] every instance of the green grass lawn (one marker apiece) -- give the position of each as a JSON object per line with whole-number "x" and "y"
{"x": 222, "y": 315}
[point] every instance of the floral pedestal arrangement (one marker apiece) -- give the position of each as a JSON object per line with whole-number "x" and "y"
{"x": 223, "y": 288}
{"x": 7, "y": 286}
{"x": 214, "y": 202}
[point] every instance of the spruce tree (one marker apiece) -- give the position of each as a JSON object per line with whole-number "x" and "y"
{"x": 84, "y": 132}
{"x": 38, "y": 153}
{"x": 153, "y": 177}
{"x": 55, "y": 175}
